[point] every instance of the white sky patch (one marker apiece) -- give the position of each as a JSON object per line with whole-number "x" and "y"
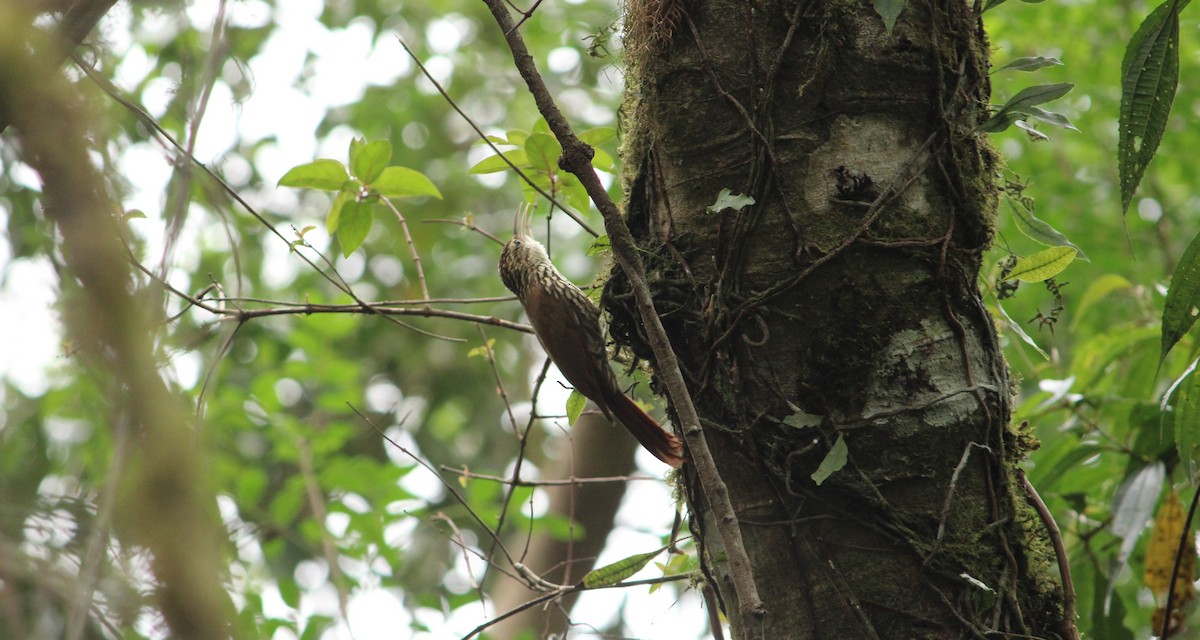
{"x": 375, "y": 614}
{"x": 563, "y": 59}
{"x": 388, "y": 61}
{"x": 339, "y": 76}
{"x": 444, "y": 35}
{"x": 31, "y": 287}
{"x": 217, "y": 129}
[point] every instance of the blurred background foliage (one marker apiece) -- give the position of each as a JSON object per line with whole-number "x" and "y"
{"x": 274, "y": 398}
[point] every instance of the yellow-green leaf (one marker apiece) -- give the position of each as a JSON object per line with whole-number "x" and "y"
{"x": 323, "y": 173}
{"x": 481, "y": 350}
{"x": 496, "y": 163}
{"x": 575, "y": 404}
{"x": 368, "y": 159}
{"x": 1042, "y": 265}
{"x": 401, "y": 182}
{"x": 612, "y": 574}
{"x": 1161, "y": 551}
{"x": 354, "y": 224}
{"x": 1183, "y": 298}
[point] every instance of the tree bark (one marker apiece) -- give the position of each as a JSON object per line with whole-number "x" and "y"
{"x": 834, "y": 321}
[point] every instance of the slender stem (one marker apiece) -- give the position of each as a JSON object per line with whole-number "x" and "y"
{"x": 1068, "y": 629}
{"x": 412, "y": 249}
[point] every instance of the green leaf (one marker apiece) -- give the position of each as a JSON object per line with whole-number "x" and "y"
{"x": 575, "y": 195}
{"x": 1099, "y": 289}
{"x": 1076, "y": 455}
{"x": 801, "y": 419}
{"x": 1032, "y": 63}
{"x": 1037, "y": 136}
{"x": 1183, "y": 298}
{"x": 401, "y": 182}
{"x": 889, "y": 10}
{"x": 1149, "y": 76}
{"x": 575, "y": 404}
{"x": 496, "y": 163}
{"x": 598, "y": 136}
{"x": 290, "y": 592}
{"x": 354, "y": 225}
{"x": 482, "y": 351}
{"x": 517, "y": 137}
{"x": 600, "y": 246}
{"x": 1050, "y": 117}
{"x": 324, "y": 173}
{"x": 543, "y": 152}
{"x": 1016, "y": 328}
{"x": 1187, "y": 421}
{"x": 834, "y": 461}
{"x": 1042, "y": 265}
{"x": 612, "y": 574}
{"x": 368, "y": 159}
{"x": 1019, "y": 105}
{"x": 728, "y": 200}
{"x": 334, "y": 217}
{"x": 1039, "y": 231}
{"x": 602, "y": 161}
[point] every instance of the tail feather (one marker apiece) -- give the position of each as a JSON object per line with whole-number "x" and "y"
{"x": 657, "y": 440}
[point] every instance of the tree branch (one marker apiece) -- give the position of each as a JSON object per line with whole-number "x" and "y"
{"x": 167, "y": 504}
{"x": 576, "y": 159}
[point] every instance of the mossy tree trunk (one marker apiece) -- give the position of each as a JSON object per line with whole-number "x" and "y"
{"x": 841, "y": 307}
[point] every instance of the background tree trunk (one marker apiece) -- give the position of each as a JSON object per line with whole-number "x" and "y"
{"x": 839, "y": 309}
{"x": 596, "y": 449}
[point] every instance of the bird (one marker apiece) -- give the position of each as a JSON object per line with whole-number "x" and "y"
{"x": 567, "y": 324}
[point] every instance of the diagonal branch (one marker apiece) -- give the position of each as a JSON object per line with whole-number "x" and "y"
{"x": 576, "y": 159}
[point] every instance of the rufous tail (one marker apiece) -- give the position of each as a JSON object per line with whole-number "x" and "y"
{"x": 657, "y": 440}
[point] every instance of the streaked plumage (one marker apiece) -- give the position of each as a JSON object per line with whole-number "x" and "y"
{"x": 568, "y": 326}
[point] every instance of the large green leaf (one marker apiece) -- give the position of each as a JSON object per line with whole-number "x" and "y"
{"x": 1149, "y": 76}
{"x": 1037, "y": 229}
{"x": 1031, "y": 63}
{"x": 1179, "y": 312}
{"x": 496, "y": 163}
{"x": 354, "y": 224}
{"x": 368, "y": 159}
{"x": 399, "y": 182}
{"x": 889, "y": 10}
{"x": 319, "y": 174}
{"x": 1019, "y": 106}
{"x": 611, "y": 574}
{"x": 543, "y": 152}
{"x": 1042, "y": 265}
{"x": 1187, "y": 420}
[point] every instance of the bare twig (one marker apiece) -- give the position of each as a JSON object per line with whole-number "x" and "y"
{"x": 412, "y": 249}
{"x": 544, "y": 483}
{"x": 559, "y": 593}
{"x": 469, "y": 225}
{"x": 576, "y": 159}
{"x": 484, "y": 137}
{"x": 449, "y": 487}
{"x": 386, "y": 309}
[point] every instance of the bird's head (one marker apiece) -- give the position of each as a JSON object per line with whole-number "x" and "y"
{"x": 522, "y": 253}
